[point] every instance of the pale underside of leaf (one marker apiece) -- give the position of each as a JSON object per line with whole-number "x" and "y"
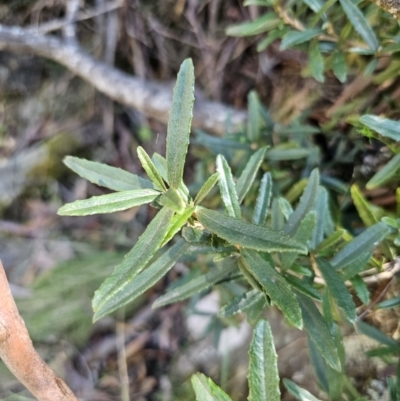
{"x": 206, "y": 390}
{"x": 263, "y": 200}
{"x": 106, "y": 176}
{"x": 109, "y": 203}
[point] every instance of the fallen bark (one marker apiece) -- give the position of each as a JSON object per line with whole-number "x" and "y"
{"x": 150, "y": 98}
{"x": 17, "y": 352}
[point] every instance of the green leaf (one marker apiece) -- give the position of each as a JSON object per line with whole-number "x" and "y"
{"x": 262, "y": 24}
{"x": 376, "y": 334}
{"x": 285, "y": 206}
{"x": 315, "y": 5}
{"x": 384, "y": 126}
{"x": 299, "y": 393}
{"x": 303, "y": 287}
{"x": 318, "y": 331}
{"x": 263, "y": 200}
{"x": 338, "y": 289}
{"x": 293, "y": 38}
{"x": 362, "y": 243}
{"x": 277, "y": 154}
{"x": 306, "y": 204}
{"x": 263, "y": 368}
{"x": 106, "y": 176}
{"x": 335, "y": 378}
{"x": 198, "y": 284}
{"x": 240, "y": 233}
{"x": 177, "y": 223}
{"x": 242, "y": 303}
{"x": 360, "y": 23}
{"x": 179, "y": 123}
{"x": 339, "y": 66}
{"x": 206, "y": 390}
{"x": 316, "y": 61}
{"x": 161, "y": 166}
{"x": 134, "y": 261}
{"x": 172, "y": 200}
{"x": 323, "y": 215}
{"x": 109, "y": 203}
{"x": 274, "y": 285}
{"x": 249, "y": 173}
{"x": 302, "y": 235}
{"x": 356, "y": 266}
{"x": 144, "y": 280}
{"x": 150, "y": 169}
{"x": 389, "y": 171}
{"x": 206, "y": 188}
{"x": 227, "y": 187}
{"x": 364, "y": 208}
{"x": 361, "y": 289}
{"x": 329, "y": 242}
{"x": 253, "y": 121}
{"x": 389, "y": 303}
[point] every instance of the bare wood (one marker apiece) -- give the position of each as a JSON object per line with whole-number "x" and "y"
{"x": 17, "y": 352}
{"x": 151, "y": 99}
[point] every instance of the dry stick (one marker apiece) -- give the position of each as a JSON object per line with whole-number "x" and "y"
{"x": 151, "y": 99}
{"x": 17, "y": 352}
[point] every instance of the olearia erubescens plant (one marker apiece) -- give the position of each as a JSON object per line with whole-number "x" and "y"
{"x": 275, "y": 255}
{"x": 326, "y": 30}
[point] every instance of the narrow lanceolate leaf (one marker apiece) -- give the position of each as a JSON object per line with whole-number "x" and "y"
{"x": 177, "y": 223}
{"x": 318, "y": 331}
{"x": 106, "y": 176}
{"x": 263, "y": 200}
{"x": 227, "y": 187}
{"x": 144, "y": 280}
{"x": 329, "y": 242}
{"x": 360, "y": 24}
{"x": 299, "y": 393}
{"x": 262, "y": 24}
{"x": 339, "y": 66}
{"x": 150, "y": 169}
{"x": 338, "y": 289}
{"x": 206, "y": 188}
{"x": 361, "y": 289}
{"x": 172, "y": 200}
{"x": 240, "y": 233}
{"x": 356, "y": 266}
{"x": 197, "y": 284}
{"x": 134, "y": 261}
{"x": 263, "y": 368}
{"x": 316, "y": 61}
{"x": 293, "y": 38}
{"x": 249, "y": 173}
{"x": 274, "y": 285}
{"x": 388, "y": 172}
{"x": 180, "y": 119}
{"x": 377, "y": 334}
{"x": 242, "y": 303}
{"x": 362, "y": 243}
{"x": 323, "y": 214}
{"x": 384, "y": 126}
{"x": 253, "y": 121}
{"x": 364, "y": 208}
{"x": 109, "y": 203}
{"x": 302, "y": 235}
{"x": 306, "y": 204}
{"x": 206, "y": 390}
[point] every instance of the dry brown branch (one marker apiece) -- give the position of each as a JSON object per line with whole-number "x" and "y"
{"x": 151, "y": 99}
{"x": 17, "y": 352}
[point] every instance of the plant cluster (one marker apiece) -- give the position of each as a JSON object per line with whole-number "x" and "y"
{"x": 277, "y": 255}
